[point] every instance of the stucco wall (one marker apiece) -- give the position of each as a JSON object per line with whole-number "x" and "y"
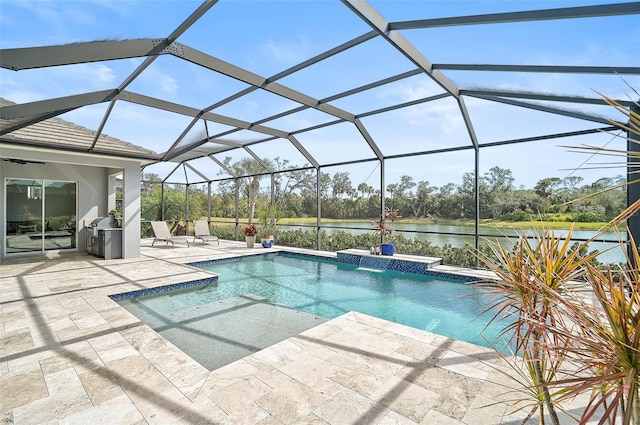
{"x": 92, "y": 175}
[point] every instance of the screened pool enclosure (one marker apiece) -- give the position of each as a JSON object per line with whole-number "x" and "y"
{"x": 452, "y": 113}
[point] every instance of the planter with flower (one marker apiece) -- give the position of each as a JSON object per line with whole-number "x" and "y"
{"x": 384, "y": 226}
{"x": 250, "y": 231}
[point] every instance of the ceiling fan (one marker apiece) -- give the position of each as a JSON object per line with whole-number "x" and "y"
{"x": 21, "y": 161}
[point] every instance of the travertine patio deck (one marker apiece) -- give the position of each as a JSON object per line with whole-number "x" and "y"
{"x": 71, "y": 355}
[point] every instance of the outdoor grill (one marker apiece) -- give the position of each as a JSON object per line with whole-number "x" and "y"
{"x": 103, "y": 240}
{"x": 98, "y": 223}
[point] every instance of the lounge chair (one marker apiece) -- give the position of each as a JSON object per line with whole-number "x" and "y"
{"x": 161, "y": 232}
{"x": 201, "y": 231}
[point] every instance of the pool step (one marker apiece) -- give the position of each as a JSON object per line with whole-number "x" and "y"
{"x": 397, "y": 262}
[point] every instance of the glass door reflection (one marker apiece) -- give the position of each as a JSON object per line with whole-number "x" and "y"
{"x": 41, "y": 215}
{"x": 59, "y": 215}
{"x": 24, "y": 215}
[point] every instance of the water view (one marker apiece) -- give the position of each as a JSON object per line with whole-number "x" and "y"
{"x": 447, "y": 235}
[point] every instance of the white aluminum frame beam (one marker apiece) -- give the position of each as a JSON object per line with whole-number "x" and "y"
{"x": 75, "y": 53}
{"x": 258, "y": 159}
{"x": 524, "y": 16}
{"x": 304, "y": 151}
{"x": 543, "y": 108}
{"x": 43, "y": 109}
{"x": 222, "y": 165}
{"x": 521, "y": 94}
{"x": 185, "y": 25}
{"x": 372, "y": 18}
{"x": 554, "y": 69}
{"x": 192, "y": 168}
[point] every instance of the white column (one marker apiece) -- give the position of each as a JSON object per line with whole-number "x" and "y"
{"x": 131, "y": 211}
{"x": 111, "y": 192}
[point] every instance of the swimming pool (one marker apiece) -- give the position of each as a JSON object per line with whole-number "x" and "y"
{"x": 260, "y": 300}
{"x": 443, "y": 305}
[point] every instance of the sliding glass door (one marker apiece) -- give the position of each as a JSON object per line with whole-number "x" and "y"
{"x": 40, "y": 215}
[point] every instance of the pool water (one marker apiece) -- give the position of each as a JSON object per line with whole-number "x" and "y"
{"x": 329, "y": 289}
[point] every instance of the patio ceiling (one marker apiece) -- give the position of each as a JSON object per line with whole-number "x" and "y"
{"x": 358, "y": 79}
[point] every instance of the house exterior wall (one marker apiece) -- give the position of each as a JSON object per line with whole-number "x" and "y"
{"x": 92, "y": 176}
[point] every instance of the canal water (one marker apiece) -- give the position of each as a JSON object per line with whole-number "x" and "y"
{"x": 451, "y": 234}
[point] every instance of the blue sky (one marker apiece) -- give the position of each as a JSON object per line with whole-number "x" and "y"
{"x": 266, "y": 37}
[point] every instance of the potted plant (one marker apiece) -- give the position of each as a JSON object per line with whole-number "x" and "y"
{"x": 268, "y": 216}
{"x": 116, "y": 218}
{"x": 384, "y": 226}
{"x": 250, "y": 231}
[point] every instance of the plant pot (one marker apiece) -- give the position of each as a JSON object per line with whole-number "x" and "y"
{"x": 266, "y": 243}
{"x": 250, "y": 241}
{"x": 387, "y": 248}
{"x": 115, "y": 221}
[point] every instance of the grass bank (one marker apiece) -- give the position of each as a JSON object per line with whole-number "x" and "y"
{"x": 466, "y": 222}
{"x": 459, "y": 222}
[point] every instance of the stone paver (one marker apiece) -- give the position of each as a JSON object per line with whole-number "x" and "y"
{"x": 70, "y": 355}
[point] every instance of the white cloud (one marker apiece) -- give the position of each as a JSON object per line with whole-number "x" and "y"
{"x": 168, "y": 84}
{"x": 98, "y": 74}
{"x": 251, "y": 105}
{"x": 159, "y": 81}
{"x": 285, "y": 52}
{"x": 444, "y": 115}
{"x": 416, "y": 89}
{"x": 441, "y": 113}
{"x": 122, "y": 8}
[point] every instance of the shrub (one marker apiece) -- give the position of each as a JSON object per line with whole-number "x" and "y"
{"x": 340, "y": 240}
{"x": 516, "y": 215}
{"x": 587, "y": 217}
{"x": 297, "y": 238}
{"x": 224, "y": 231}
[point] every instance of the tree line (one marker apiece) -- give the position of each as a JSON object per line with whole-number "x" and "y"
{"x": 296, "y": 196}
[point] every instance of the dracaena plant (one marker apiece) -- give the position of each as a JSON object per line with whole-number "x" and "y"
{"x": 572, "y": 341}
{"x": 528, "y": 281}
{"x": 575, "y": 327}
{"x": 605, "y": 350}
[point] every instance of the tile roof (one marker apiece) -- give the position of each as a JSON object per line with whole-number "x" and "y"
{"x": 60, "y": 134}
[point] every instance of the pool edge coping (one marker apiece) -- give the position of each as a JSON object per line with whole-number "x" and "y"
{"x": 333, "y": 259}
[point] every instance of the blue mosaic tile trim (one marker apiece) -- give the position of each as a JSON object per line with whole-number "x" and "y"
{"x": 229, "y": 259}
{"x": 382, "y": 262}
{"x": 466, "y": 279}
{"x": 349, "y": 258}
{"x": 407, "y": 267}
{"x": 265, "y": 254}
{"x": 166, "y": 288}
{"x": 307, "y": 256}
{"x": 389, "y": 263}
{"x": 378, "y": 262}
